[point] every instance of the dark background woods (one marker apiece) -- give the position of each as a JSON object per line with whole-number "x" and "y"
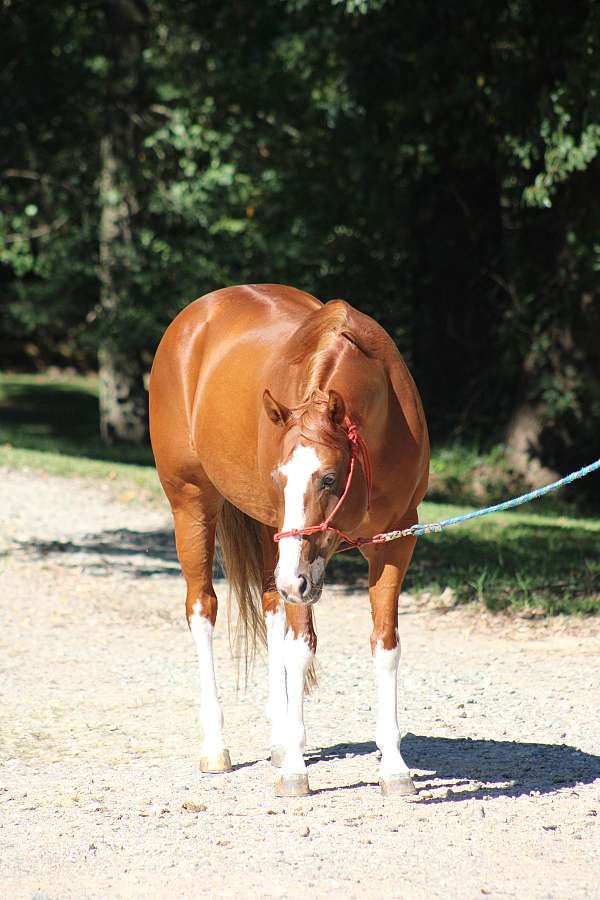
{"x": 434, "y": 164}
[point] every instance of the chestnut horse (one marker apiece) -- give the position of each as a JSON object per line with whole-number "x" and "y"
{"x": 268, "y": 411}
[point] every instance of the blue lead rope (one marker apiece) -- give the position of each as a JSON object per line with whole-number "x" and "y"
{"x": 418, "y": 530}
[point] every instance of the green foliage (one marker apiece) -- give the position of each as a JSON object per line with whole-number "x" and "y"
{"x": 437, "y": 166}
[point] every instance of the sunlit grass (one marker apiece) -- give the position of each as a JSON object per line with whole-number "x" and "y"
{"x": 58, "y": 414}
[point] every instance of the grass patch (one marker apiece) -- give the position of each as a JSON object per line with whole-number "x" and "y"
{"x": 127, "y": 475}
{"x": 512, "y": 560}
{"x": 540, "y": 559}
{"x": 58, "y": 414}
{"x": 50, "y": 423}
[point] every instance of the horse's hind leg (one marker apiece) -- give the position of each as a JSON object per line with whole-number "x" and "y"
{"x": 195, "y": 512}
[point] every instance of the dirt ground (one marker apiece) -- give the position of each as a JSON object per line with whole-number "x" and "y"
{"x": 100, "y": 794}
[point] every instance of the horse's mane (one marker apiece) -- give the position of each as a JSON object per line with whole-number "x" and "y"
{"x": 315, "y": 341}
{"x": 317, "y": 346}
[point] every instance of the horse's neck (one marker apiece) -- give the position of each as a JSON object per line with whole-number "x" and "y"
{"x": 361, "y": 381}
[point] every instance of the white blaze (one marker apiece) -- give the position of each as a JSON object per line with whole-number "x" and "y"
{"x": 303, "y": 463}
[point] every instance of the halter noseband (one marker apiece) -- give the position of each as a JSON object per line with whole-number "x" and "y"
{"x": 357, "y": 445}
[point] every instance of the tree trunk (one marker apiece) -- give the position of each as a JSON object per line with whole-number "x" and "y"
{"x": 523, "y": 444}
{"x": 564, "y": 435}
{"x": 123, "y": 407}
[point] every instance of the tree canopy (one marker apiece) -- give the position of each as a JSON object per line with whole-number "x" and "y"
{"x": 434, "y": 164}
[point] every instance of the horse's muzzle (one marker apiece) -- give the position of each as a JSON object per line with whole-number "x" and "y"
{"x": 304, "y": 584}
{"x": 309, "y": 600}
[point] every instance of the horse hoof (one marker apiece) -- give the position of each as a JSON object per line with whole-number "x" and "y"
{"x": 277, "y": 754}
{"x": 397, "y": 786}
{"x": 292, "y": 786}
{"x": 217, "y": 762}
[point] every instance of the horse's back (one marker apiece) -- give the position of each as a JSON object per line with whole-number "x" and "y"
{"x": 256, "y": 301}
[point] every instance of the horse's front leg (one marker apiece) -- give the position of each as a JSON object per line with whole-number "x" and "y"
{"x": 387, "y": 567}
{"x": 275, "y": 626}
{"x": 299, "y": 647}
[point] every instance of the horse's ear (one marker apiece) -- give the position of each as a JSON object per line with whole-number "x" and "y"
{"x": 336, "y": 408}
{"x": 277, "y": 412}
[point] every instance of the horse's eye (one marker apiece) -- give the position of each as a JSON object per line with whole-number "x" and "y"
{"x": 327, "y": 480}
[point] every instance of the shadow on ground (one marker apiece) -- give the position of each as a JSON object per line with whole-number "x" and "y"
{"x": 545, "y": 566}
{"x": 501, "y": 768}
{"x": 140, "y": 554}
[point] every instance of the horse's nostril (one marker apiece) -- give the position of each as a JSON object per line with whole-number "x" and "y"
{"x": 302, "y": 585}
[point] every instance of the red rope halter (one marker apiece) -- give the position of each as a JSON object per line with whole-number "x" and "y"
{"x": 357, "y": 445}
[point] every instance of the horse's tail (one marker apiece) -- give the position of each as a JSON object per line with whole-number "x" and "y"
{"x": 240, "y": 542}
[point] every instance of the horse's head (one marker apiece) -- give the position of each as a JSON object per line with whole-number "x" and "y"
{"x": 310, "y": 477}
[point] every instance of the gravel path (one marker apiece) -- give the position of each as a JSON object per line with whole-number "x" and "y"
{"x": 100, "y": 795}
